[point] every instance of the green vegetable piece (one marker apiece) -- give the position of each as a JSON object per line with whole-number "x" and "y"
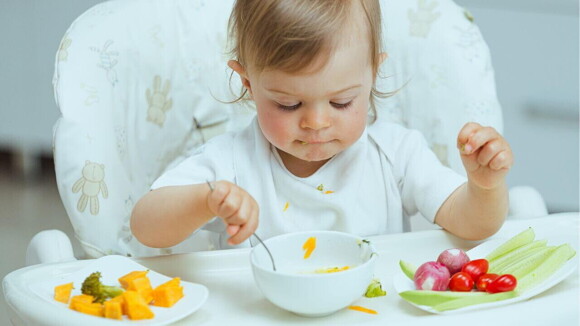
{"x": 515, "y": 242}
{"x": 515, "y": 255}
{"x": 472, "y": 300}
{"x": 432, "y": 298}
{"x": 375, "y": 289}
{"x": 521, "y": 268}
{"x": 497, "y": 268}
{"x": 92, "y": 286}
{"x": 555, "y": 260}
{"x": 408, "y": 269}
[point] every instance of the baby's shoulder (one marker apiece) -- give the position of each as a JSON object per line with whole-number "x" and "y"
{"x": 393, "y": 138}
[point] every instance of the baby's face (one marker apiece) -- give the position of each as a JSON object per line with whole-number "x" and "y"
{"x": 312, "y": 116}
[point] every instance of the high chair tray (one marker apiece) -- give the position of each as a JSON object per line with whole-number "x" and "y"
{"x": 235, "y": 299}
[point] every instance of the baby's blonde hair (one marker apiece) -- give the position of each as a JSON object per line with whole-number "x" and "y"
{"x": 289, "y": 35}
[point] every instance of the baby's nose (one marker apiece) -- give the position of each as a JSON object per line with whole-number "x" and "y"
{"x": 316, "y": 118}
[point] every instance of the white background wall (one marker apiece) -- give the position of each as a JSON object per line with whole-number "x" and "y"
{"x": 534, "y": 44}
{"x": 30, "y": 33}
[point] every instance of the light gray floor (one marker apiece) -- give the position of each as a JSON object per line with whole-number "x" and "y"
{"x": 25, "y": 209}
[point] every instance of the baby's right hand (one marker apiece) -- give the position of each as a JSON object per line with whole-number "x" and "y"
{"x": 237, "y": 208}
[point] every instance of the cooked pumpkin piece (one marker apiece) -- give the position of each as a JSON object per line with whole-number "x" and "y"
{"x": 125, "y": 279}
{"x": 137, "y": 308}
{"x": 62, "y": 292}
{"x": 113, "y": 310}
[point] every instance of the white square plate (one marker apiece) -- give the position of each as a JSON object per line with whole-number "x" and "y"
{"x": 112, "y": 268}
{"x": 402, "y": 283}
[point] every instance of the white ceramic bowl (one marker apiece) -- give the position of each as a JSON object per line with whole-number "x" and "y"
{"x": 295, "y": 285}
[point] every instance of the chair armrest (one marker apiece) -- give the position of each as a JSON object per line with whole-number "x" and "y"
{"x": 526, "y": 202}
{"x": 49, "y": 246}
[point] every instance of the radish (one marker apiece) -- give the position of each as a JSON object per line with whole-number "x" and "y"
{"x": 453, "y": 259}
{"x": 432, "y": 276}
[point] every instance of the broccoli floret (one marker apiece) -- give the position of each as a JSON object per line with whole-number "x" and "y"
{"x": 92, "y": 286}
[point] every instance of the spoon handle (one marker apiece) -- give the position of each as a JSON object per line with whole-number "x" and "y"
{"x": 268, "y": 250}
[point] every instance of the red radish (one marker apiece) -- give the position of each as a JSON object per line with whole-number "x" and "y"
{"x": 432, "y": 276}
{"x": 453, "y": 259}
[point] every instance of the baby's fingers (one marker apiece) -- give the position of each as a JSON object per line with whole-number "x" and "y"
{"x": 465, "y": 133}
{"x": 473, "y": 136}
{"x": 246, "y": 230}
{"x": 502, "y": 161}
{"x": 496, "y": 154}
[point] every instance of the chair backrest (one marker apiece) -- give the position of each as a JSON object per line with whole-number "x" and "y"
{"x": 137, "y": 81}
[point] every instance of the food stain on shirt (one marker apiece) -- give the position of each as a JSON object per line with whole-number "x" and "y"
{"x": 321, "y": 189}
{"x": 286, "y": 207}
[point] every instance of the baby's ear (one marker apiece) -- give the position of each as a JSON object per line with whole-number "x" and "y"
{"x": 382, "y": 57}
{"x": 239, "y": 69}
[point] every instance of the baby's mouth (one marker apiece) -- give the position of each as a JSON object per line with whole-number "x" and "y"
{"x": 313, "y": 142}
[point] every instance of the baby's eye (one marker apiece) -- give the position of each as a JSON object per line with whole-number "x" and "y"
{"x": 341, "y": 105}
{"x": 288, "y": 107}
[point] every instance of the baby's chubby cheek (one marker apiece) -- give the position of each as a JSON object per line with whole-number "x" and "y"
{"x": 275, "y": 130}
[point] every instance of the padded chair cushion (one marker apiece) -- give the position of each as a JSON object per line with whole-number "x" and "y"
{"x": 442, "y": 66}
{"x": 130, "y": 78}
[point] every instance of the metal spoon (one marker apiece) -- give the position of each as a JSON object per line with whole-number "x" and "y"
{"x": 254, "y": 234}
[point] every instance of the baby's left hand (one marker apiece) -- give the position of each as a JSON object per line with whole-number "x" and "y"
{"x": 486, "y": 155}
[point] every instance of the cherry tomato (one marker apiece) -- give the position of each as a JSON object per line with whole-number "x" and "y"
{"x": 503, "y": 283}
{"x": 476, "y": 268}
{"x": 461, "y": 282}
{"x": 484, "y": 280}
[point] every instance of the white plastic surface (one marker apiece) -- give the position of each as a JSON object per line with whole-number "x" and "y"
{"x": 49, "y": 246}
{"x": 235, "y": 299}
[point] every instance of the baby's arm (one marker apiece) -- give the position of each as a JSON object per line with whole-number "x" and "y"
{"x": 166, "y": 216}
{"x": 477, "y": 209}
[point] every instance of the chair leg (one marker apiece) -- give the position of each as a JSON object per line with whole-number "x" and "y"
{"x": 49, "y": 246}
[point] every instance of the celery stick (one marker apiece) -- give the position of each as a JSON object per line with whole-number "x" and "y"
{"x": 555, "y": 260}
{"x": 517, "y": 241}
{"x": 497, "y": 268}
{"x": 472, "y": 300}
{"x": 408, "y": 269}
{"x": 521, "y": 268}
{"x": 431, "y": 298}
{"x": 515, "y": 255}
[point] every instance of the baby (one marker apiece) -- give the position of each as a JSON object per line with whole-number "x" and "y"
{"x": 314, "y": 158}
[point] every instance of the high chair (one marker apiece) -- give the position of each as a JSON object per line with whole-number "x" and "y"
{"x": 140, "y": 84}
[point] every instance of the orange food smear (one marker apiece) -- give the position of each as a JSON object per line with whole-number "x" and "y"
{"x": 328, "y": 192}
{"x": 309, "y": 246}
{"x": 363, "y": 309}
{"x": 286, "y": 207}
{"x": 331, "y": 270}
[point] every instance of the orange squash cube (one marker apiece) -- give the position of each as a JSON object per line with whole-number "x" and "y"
{"x": 126, "y": 279}
{"x": 121, "y": 300}
{"x": 137, "y": 308}
{"x": 143, "y": 286}
{"x": 113, "y": 310}
{"x": 82, "y": 298}
{"x": 167, "y": 296}
{"x": 176, "y": 281}
{"x": 95, "y": 309}
{"x": 62, "y": 292}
